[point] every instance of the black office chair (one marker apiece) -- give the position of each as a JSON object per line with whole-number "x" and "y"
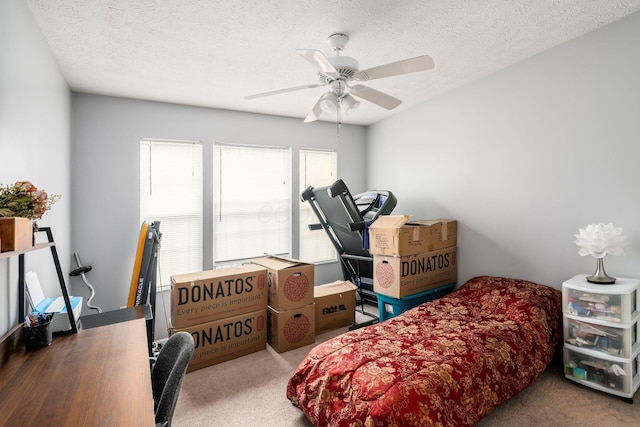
{"x": 167, "y": 374}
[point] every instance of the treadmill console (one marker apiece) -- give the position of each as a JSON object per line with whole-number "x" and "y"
{"x": 372, "y": 204}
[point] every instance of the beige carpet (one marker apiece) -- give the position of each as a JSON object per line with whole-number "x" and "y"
{"x": 245, "y": 392}
{"x": 251, "y": 391}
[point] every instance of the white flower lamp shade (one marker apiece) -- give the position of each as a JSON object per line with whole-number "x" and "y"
{"x": 599, "y": 240}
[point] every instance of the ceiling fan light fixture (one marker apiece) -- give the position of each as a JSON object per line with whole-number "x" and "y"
{"x": 349, "y": 103}
{"x": 329, "y": 102}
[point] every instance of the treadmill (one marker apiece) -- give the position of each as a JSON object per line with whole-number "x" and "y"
{"x": 346, "y": 218}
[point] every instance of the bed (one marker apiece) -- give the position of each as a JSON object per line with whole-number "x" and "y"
{"x": 447, "y": 362}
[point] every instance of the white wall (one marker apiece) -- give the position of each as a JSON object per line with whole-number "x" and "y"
{"x": 34, "y": 142}
{"x": 105, "y": 188}
{"x": 525, "y": 157}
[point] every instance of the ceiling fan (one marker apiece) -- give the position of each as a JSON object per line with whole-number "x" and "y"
{"x": 342, "y": 74}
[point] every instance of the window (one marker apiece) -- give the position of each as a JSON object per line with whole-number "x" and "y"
{"x": 221, "y": 204}
{"x": 252, "y": 202}
{"x": 317, "y": 169}
{"x": 171, "y": 192}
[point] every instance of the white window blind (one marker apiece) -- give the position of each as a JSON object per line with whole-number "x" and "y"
{"x": 252, "y": 202}
{"x": 171, "y": 192}
{"x": 317, "y": 169}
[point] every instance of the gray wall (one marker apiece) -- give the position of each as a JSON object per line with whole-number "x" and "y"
{"x": 34, "y": 142}
{"x": 105, "y": 156}
{"x": 525, "y": 157}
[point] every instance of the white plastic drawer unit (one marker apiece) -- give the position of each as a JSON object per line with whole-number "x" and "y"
{"x": 615, "y": 377}
{"x": 601, "y": 303}
{"x": 601, "y": 331}
{"x": 607, "y": 340}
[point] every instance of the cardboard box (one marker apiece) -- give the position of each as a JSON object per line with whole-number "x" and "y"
{"x": 226, "y": 339}
{"x": 401, "y": 276}
{"x": 216, "y": 294}
{"x": 291, "y": 329}
{"x": 290, "y": 282}
{"x": 395, "y": 235}
{"x": 15, "y": 234}
{"x": 335, "y": 305}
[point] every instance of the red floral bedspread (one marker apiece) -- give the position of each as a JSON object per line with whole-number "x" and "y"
{"x": 448, "y": 362}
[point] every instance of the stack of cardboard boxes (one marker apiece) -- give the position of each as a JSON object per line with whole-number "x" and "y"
{"x": 234, "y": 311}
{"x": 291, "y": 308}
{"x": 224, "y": 310}
{"x": 412, "y": 257}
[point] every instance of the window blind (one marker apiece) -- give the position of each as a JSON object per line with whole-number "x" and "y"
{"x": 318, "y": 168}
{"x": 252, "y": 202}
{"x": 171, "y": 192}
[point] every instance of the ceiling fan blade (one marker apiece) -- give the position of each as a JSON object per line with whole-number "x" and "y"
{"x": 315, "y": 112}
{"x": 419, "y": 63}
{"x": 317, "y": 58}
{"x": 291, "y": 89}
{"x": 375, "y": 96}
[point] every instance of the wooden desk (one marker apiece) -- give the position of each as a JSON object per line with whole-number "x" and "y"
{"x": 98, "y": 376}
{"x": 122, "y": 315}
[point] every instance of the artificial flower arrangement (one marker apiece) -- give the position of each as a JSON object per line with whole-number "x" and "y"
{"x": 25, "y": 200}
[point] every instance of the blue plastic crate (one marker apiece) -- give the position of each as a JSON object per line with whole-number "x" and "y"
{"x": 389, "y": 307}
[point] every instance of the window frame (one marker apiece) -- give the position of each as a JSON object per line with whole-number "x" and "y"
{"x": 294, "y": 164}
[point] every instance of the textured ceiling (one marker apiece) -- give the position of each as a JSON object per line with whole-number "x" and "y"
{"x": 213, "y": 53}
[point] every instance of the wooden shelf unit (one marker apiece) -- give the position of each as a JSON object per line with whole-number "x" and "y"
{"x": 50, "y": 243}
{"x": 35, "y": 247}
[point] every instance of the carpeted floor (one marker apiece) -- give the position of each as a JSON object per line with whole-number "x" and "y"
{"x": 250, "y": 391}
{"x": 552, "y": 400}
